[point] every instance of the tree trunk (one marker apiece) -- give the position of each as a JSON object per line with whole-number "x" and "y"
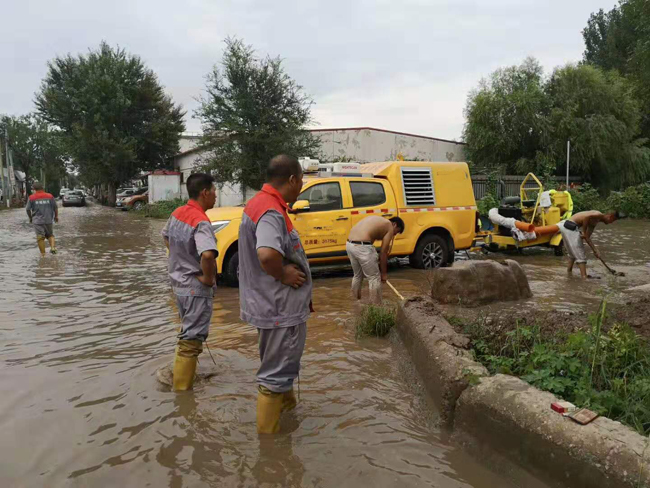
{"x": 112, "y": 193}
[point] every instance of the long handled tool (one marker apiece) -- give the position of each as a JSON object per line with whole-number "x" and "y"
{"x": 399, "y": 295}
{"x": 613, "y": 271}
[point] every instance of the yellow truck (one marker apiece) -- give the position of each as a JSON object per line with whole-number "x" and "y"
{"x": 435, "y": 201}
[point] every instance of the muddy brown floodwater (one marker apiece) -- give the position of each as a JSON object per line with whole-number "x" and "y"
{"x": 82, "y": 334}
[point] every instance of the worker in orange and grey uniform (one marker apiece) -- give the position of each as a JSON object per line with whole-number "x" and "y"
{"x": 42, "y": 211}
{"x": 192, "y": 270}
{"x": 275, "y": 289}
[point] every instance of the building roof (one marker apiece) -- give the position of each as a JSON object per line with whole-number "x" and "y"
{"x": 341, "y": 129}
{"x": 163, "y": 172}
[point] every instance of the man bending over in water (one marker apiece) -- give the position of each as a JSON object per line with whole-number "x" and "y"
{"x": 580, "y": 227}
{"x": 363, "y": 255}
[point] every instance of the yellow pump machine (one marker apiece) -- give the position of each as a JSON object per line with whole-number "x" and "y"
{"x": 536, "y": 214}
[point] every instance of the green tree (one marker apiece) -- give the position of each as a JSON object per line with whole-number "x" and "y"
{"x": 252, "y": 111}
{"x": 505, "y": 118}
{"x": 37, "y": 149}
{"x": 598, "y": 112}
{"x": 620, "y": 40}
{"x": 114, "y": 115}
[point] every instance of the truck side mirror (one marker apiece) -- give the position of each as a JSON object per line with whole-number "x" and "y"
{"x": 300, "y": 206}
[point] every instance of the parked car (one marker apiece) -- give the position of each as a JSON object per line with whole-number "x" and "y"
{"x": 74, "y": 197}
{"x": 63, "y": 192}
{"x": 435, "y": 201}
{"x": 125, "y": 192}
{"x": 135, "y": 202}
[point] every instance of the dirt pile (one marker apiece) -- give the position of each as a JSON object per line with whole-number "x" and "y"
{"x": 635, "y": 312}
{"x": 477, "y": 283}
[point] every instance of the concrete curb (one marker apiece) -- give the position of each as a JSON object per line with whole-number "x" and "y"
{"x": 504, "y": 417}
{"x": 440, "y": 354}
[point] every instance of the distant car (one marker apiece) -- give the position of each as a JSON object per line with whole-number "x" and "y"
{"x": 125, "y": 192}
{"x": 74, "y": 197}
{"x": 136, "y": 202}
{"x": 63, "y": 192}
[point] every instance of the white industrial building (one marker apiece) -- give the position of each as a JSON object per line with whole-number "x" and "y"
{"x": 368, "y": 145}
{"x": 361, "y": 144}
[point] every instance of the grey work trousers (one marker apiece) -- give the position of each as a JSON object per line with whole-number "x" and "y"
{"x": 280, "y": 351}
{"x": 365, "y": 262}
{"x": 196, "y": 314}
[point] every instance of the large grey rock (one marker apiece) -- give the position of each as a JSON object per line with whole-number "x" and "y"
{"x": 474, "y": 283}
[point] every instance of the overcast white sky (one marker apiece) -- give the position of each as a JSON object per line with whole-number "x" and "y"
{"x": 403, "y": 65}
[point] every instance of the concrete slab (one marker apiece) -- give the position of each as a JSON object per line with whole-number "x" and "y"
{"x": 505, "y": 417}
{"x": 440, "y": 354}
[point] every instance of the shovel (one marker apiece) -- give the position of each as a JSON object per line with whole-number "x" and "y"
{"x": 613, "y": 271}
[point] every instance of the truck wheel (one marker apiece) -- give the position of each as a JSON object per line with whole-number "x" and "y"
{"x": 231, "y": 270}
{"x": 430, "y": 253}
{"x": 559, "y": 250}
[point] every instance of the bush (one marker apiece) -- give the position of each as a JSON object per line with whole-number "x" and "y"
{"x": 586, "y": 197}
{"x": 375, "y": 320}
{"x": 163, "y": 209}
{"x": 608, "y": 372}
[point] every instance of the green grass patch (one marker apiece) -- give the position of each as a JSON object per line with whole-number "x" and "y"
{"x": 162, "y": 210}
{"x": 375, "y": 320}
{"x": 607, "y": 371}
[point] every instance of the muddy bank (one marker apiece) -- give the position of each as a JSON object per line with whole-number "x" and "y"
{"x": 634, "y": 312}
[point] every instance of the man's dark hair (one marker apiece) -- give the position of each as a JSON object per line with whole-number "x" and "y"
{"x": 281, "y": 168}
{"x": 37, "y": 185}
{"x": 400, "y": 224}
{"x": 198, "y": 182}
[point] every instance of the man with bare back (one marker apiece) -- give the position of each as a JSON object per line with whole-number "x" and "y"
{"x": 578, "y": 228}
{"x": 363, "y": 256}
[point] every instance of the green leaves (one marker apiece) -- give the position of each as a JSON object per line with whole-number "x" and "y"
{"x": 252, "y": 111}
{"x": 114, "y": 115}
{"x": 520, "y": 121}
{"x": 607, "y": 371}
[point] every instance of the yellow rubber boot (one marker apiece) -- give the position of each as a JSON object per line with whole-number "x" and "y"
{"x": 185, "y": 361}
{"x": 52, "y": 245}
{"x": 289, "y": 401}
{"x": 41, "y": 244}
{"x": 269, "y": 407}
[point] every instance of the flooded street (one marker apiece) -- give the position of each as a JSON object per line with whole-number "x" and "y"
{"x": 84, "y": 332}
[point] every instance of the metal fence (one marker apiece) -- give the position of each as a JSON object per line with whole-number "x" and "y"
{"x": 508, "y": 185}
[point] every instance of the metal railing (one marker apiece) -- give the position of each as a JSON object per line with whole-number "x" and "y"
{"x": 508, "y": 185}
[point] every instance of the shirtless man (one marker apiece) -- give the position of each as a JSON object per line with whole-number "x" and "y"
{"x": 363, "y": 255}
{"x": 580, "y": 227}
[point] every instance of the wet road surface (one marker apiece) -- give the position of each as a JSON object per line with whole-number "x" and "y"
{"x": 83, "y": 333}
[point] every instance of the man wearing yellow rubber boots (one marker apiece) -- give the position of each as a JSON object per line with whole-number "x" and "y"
{"x": 42, "y": 210}
{"x": 192, "y": 270}
{"x": 275, "y": 288}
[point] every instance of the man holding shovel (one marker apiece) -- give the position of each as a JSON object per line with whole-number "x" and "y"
{"x": 363, "y": 255}
{"x": 578, "y": 228}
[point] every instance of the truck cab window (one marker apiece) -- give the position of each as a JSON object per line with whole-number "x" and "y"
{"x": 322, "y": 197}
{"x": 366, "y": 194}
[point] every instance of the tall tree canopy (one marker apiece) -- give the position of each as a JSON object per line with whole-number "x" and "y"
{"x": 251, "y": 112}
{"x": 620, "y": 40}
{"x": 505, "y": 117}
{"x": 114, "y": 115}
{"x": 599, "y": 114}
{"x": 521, "y": 121}
{"x": 37, "y": 149}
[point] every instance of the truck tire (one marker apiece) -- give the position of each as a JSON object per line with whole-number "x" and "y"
{"x": 230, "y": 273}
{"x": 559, "y": 250}
{"x": 431, "y": 252}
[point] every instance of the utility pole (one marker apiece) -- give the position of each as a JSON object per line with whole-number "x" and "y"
{"x": 5, "y": 190}
{"x": 568, "y": 150}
